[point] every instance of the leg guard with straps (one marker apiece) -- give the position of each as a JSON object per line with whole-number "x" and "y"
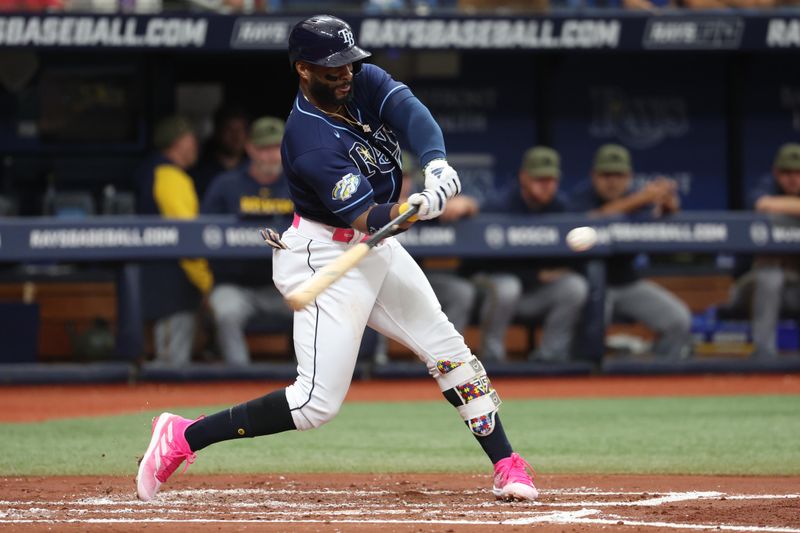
{"x": 467, "y": 387}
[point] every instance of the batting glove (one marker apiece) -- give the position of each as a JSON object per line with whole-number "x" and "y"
{"x": 431, "y": 203}
{"x": 273, "y": 239}
{"x": 439, "y": 175}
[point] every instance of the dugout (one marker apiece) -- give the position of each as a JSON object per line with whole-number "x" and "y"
{"x": 702, "y": 98}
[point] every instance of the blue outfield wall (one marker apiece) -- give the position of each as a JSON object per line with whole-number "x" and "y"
{"x": 669, "y": 113}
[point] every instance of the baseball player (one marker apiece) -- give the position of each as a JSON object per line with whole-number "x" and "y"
{"x": 342, "y": 158}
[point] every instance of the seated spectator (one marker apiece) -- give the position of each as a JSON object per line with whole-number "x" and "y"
{"x": 536, "y": 289}
{"x": 244, "y": 287}
{"x": 773, "y": 283}
{"x": 172, "y": 290}
{"x": 225, "y": 149}
{"x": 610, "y": 192}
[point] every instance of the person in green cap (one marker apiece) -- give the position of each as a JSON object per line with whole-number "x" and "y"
{"x": 772, "y": 285}
{"x": 611, "y": 192}
{"x": 173, "y": 290}
{"x": 244, "y": 288}
{"x": 549, "y": 290}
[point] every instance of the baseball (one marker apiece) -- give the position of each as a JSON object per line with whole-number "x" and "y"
{"x": 581, "y": 239}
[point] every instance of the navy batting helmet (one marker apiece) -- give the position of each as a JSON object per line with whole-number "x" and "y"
{"x": 324, "y": 40}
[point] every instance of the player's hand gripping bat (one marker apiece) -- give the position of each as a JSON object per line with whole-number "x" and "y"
{"x": 308, "y": 291}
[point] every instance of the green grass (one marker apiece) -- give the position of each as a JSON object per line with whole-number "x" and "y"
{"x": 713, "y": 435}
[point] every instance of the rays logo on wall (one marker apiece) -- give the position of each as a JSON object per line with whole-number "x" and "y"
{"x": 370, "y": 160}
{"x": 637, "y": 121}
{"x": 345, "y": 187}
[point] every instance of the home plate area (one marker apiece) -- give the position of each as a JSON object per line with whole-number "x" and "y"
{"x": 403, "y": 502}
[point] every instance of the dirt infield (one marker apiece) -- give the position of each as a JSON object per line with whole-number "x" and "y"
{"x": 408, "y": 502}
{"x": 32, "y": 403}
{"x": 402, "y": 503}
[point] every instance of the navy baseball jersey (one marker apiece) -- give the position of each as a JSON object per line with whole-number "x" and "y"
{"x": 236, "y": 192}
{"x": 335, "y": 171}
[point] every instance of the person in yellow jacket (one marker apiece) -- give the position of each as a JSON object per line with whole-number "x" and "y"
{"x": 172, "y": 290}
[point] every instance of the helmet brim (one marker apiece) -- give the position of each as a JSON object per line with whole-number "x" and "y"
{"x": 343, "y": 57}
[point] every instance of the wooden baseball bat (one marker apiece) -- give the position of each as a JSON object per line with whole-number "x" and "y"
{"x": 308, "y": 291}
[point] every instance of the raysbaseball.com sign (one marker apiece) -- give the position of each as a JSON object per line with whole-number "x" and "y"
{"x": 103, "y": 31}
{"x": 490, "y": 33}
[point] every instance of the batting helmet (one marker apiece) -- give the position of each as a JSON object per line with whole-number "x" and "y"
{"x": 326, "y": 41}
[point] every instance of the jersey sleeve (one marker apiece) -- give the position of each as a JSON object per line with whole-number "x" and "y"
{"x": 405, "y": 113}
{"x": 384, "y": 91}
{"x": 336, "y": 181}
{"x": 174, "y": 193}
{"x": 176, "y": 198}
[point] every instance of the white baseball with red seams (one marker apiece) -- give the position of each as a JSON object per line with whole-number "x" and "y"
{"x": 582, "y": 238}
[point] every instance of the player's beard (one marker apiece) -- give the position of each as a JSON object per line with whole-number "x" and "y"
{"x": 326, "y": 95}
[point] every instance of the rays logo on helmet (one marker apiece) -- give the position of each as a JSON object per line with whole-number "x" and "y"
{"x": 345, "y": 187}
{"x": 347, "y": 36}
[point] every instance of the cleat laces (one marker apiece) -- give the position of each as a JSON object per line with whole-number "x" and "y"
{"x": 516, "y": 471}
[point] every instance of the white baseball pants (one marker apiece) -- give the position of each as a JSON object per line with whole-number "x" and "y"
{"x": 387, "y": 291}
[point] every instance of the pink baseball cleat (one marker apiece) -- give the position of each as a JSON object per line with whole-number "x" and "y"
{"x": 167, "y": 450}
{"x": 511, "y": 479}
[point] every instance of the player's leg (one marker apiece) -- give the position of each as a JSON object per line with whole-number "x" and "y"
{"x": 501, "y": 294}
{"x": 327, "y": 335}
{"x": 560, "y": 303}
{"x": 406, "y": 309}
{"x": 328, "y": 350}
{"x": 232, "y": 307}
{"x": 173, "y": 337}
{"x": 662, "y": 312}
{"x": 767, "y": 300}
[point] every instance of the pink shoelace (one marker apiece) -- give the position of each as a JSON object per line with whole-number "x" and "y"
{"x": 171, "y": 462}
{"x": 179, "y": 451}
{"x": 513, "y": 470}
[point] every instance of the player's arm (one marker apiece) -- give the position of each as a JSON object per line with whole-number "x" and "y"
{"x": 658, "y": 192}
{"x": 628, "y": 204}
{"x": 779, "y": 205}
{"x": 340, "y": 186}
{"x": 460, "y": 207}
{"x": 416, "y": 127}
{"x": 373, "y": 219}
